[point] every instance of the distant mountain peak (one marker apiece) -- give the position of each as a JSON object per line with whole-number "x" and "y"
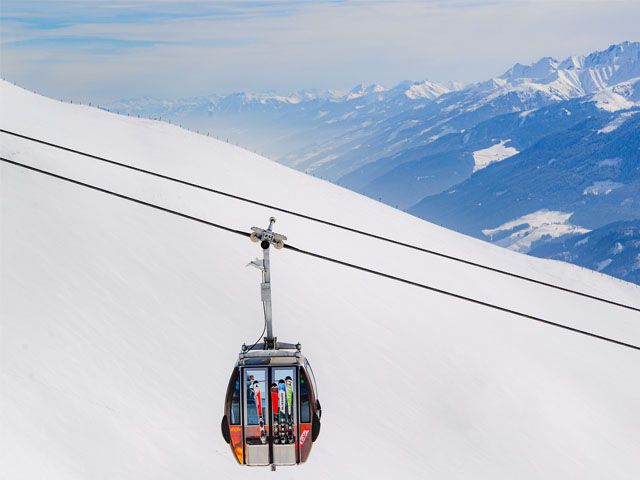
{"x": 537, "y": 71}
{"x": 614, "y": 53}
{"x": 425, "y": 89}
{"x": 362, "y": 90}
{"x": 574, "y": 76}
{"x": 454, "y": 85}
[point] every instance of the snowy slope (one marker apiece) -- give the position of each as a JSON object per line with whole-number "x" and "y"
{"x": 120, "y": 324}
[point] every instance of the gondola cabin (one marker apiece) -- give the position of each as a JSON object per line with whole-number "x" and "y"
{"x": 271, "y": 412}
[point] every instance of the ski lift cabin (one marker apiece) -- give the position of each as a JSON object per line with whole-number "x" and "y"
{"x": 271, "y": 410}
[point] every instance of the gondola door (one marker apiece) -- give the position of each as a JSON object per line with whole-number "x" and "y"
{"x": 271, "y": 415}
{"x": 284, "y": 415}
{"x": 256, "y": 416}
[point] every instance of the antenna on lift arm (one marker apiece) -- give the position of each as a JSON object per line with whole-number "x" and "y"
{"x": 267, "y": 238}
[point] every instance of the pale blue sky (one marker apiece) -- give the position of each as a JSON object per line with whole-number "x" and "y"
{"x": 94, "y": 50}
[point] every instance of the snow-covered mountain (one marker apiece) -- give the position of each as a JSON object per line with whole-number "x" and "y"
{"x": 434, "y": 150}
{"x": 339, "y": 135}
{"x": 609, "y": 77}
{"x": 584, "y": 170}
{"x": 587, "y": 164}
{"x": 577, "y": 76}
{"x": 120, "y": 324}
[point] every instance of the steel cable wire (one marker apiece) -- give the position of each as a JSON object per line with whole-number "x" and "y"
{"x": 327, "y": 258}
{"x": 328, "y": 223}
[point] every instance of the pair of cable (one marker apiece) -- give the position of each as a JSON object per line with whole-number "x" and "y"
{"x": 337, "y": 261}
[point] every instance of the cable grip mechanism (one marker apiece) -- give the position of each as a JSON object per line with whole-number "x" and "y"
{"x": 267, "y": 237}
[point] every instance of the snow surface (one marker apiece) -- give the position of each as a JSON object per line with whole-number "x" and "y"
{"x": 578, "y": 75}
{"x": 495, "y": 153}
{"x": 603, "y": 187}
{"x": 120, "y": 324}
{"x": 603, "y": 264}
{"x": 363, "y": 90}
{"x": 532, "y": 227}
{"x": 611, "y": 101}
{"x": 617, "y": 122}
{"x": 617, "y": 248}
{"x": 425, "y": 89}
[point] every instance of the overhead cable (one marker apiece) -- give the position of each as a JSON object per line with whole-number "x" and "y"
{"x": 327, "y": 258}
{"x": 329, "y": 223}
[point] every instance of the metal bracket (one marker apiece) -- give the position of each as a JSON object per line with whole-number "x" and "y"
{"x": 259, "y": 264}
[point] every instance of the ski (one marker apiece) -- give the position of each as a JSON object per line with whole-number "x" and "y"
{"x": 275, "y": 410}
{"x": 282, "y": 406}
{"x": 289, "y": 398}
{"x": 258, "y": 399}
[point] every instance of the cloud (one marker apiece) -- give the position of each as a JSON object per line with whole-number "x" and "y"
{"x": 109, "y": 50}
{"x": 93, "y": 45}
{"x": 51, "y": 15}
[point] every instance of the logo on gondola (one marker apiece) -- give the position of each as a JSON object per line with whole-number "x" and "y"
{"x": 303, "y": 436}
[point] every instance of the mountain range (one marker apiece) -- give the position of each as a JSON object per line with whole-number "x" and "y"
{"x": 541, "y": 152}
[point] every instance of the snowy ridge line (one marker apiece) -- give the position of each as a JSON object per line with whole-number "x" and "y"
{"x": 326, "y": 258}
{"x": 326, "y": 222}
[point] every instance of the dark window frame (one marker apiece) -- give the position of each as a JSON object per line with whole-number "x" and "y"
{"x": 235, "y": 408}
{"x": 305, "y": 406}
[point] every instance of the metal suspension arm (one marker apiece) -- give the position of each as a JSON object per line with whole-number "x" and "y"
{"x": 267, "y": 238}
